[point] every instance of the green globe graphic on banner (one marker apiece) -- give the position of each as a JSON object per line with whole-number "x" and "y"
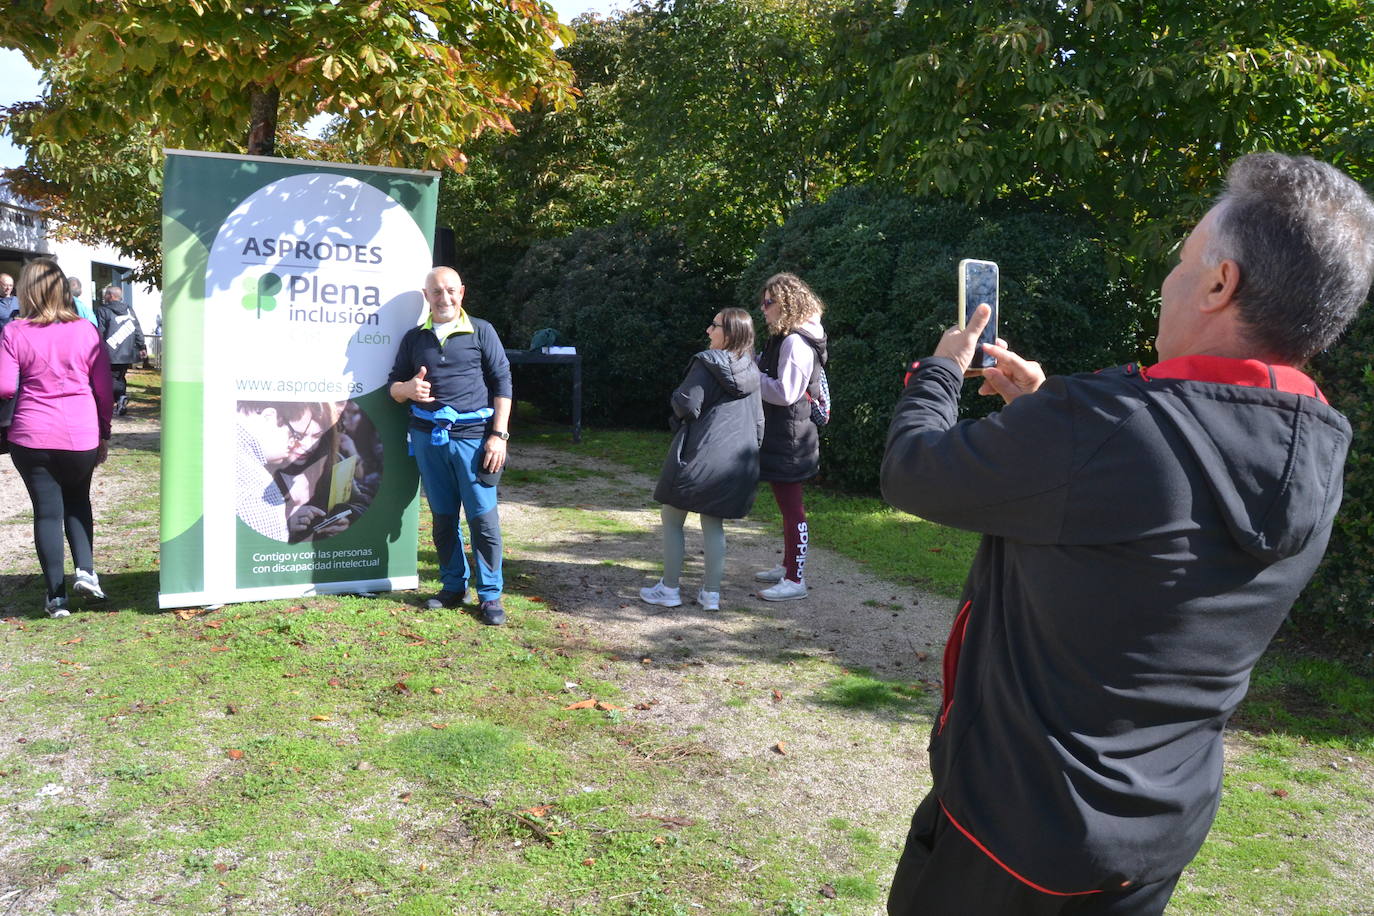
{"x": 261, "y": 291}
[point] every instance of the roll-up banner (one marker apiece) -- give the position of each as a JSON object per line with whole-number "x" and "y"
{"x": 286, "y": 288}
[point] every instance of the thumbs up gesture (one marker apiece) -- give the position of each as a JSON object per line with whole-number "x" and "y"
{"x": 419, "y": 388}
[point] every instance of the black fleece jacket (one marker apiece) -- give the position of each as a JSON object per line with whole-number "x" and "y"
{"x": 1146, "y": 532}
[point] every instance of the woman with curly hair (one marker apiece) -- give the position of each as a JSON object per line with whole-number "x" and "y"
{"x": 791, "y": 451}
{"x": 54, "y": 364}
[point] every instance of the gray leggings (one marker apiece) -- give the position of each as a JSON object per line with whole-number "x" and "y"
{"x": 713, "y": 533}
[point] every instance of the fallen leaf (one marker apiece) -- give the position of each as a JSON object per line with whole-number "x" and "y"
{"x": 219, "y": 648}
{"x": 438, "y": 726}
{"x": 589, "y": 861}
{"x": 777, "y": 696}
{"x": 62, "y": 869}
{"x": 828, "y": 891}
{"x": 538, "y": 810}
{"x": 335, "y": 682}
{"x": 214, "y": 624}
{"x": 234, "y": 754}
{"x": 660, "y": 841}
{"x": 922, "y": 656}
{"x": 71, "y": 642}
{"x": 404, "y": 798}
{"x": 582, "y": 704}
{"x": 231, "y": 709}
{"x": 1280, "y": 793}
{"x": 780, "y": 748}
{"x": 400, "y": 687}
{"x": 221, "y": 867}
{"x": 321, "y": 719}
{"x": 607, "y": 707}
{"x": 436, "y": 690}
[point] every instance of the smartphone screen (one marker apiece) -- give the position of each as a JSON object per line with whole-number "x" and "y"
{"x": 978, "y": 285}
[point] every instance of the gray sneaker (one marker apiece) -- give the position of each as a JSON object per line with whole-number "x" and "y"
{"x": 57, "y": 607}
{"x": 492, "y": 613}
{"x": 770, "y": 575}
{"x": 709, "y": 601}
{"x": 88, "y": 583}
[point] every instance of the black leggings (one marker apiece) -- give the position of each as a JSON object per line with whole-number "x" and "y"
{"x": 59, "y": 484}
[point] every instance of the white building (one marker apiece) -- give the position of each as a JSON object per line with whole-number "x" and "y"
{"x": 25, "y": 233}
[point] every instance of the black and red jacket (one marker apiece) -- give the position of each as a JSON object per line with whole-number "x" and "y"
{"x": 1146, "y": 532}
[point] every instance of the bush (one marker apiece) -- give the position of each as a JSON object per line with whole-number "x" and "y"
{"x": 1340, "y": 599}
{"x": 635, "y": 306}
{"x": 885, "y": 265}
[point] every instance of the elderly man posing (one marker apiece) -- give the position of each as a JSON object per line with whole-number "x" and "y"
{"x": 453, "y": 372}
{"x": 1146, "y": 530}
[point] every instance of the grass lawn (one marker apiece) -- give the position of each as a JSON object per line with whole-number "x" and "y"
{"x": 350, "y": 755}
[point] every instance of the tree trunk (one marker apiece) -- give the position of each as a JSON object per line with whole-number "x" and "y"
{"x": 262, "y": 131}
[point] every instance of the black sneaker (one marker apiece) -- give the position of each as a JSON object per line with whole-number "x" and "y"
{"x": 446, "y": 599}
{"x": 492, "y": 613}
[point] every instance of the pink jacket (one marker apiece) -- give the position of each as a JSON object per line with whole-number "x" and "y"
{"x": 67, "y": 396}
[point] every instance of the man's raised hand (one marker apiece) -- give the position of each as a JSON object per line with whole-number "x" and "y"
{"x": 1012, "y": 376}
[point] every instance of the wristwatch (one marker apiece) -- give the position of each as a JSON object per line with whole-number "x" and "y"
{"x": 503, "y": 436}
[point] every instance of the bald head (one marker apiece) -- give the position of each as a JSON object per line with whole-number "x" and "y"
{"x": 444, "y": 294}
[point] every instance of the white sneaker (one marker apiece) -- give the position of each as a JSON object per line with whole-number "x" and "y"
{"x": 88, "y": 583}
{"x": 661, "y": 595}
{"x": 709, "y": 601}
{"x": 786, "y": 590}
{"x": 770, "y": 575}
{"x": 56, "y": 607}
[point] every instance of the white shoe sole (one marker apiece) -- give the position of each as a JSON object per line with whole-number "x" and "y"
{"x": 791, "y": 596}
{"x": 81, "y": 588}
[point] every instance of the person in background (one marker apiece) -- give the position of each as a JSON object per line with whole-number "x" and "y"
{"x": 82, "y": 309}
{"x": 791, "y": 452}
{"x": 1146, "y": 529}
{"x": 123, "y": 338}
{"x": 55, "y": 367}
{"x": 453, "y": 373}
{"x": 712, "y": 466}
{"x": 9, "y": 302}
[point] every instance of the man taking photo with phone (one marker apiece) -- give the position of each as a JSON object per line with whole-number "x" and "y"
{"x": 1146, "y": 531}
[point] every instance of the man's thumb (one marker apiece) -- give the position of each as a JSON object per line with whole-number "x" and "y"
{"x": 421, "y": 374}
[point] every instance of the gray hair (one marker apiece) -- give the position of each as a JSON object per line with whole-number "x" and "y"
{"x": 114, "y": 292}
{"x": 1302, "y": 232}
{"x": 74, "y": 284}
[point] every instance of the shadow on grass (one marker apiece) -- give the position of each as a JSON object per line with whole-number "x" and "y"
{"x": 1315, "y": 699}
{"x": 23, "y": 595}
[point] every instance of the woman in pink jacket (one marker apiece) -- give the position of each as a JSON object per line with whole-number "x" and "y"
{"x": 55, "y": 365}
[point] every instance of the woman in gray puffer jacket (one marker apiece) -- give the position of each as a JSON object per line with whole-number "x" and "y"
{"x": 712, "y": 466}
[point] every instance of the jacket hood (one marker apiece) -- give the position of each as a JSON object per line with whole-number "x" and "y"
{"x": 737, "y": 375}
{"x": 1286, "y": 485}
{"x": 119, "y": 306}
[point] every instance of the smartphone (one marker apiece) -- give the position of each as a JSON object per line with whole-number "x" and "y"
{"x": 978, "y": 285}
{"x": 320, "y": 524}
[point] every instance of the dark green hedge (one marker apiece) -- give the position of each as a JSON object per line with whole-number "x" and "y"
{"x": 1340, "y": 600}
{"x": 885, "y": 265}
{"x": 633, "y": 303}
